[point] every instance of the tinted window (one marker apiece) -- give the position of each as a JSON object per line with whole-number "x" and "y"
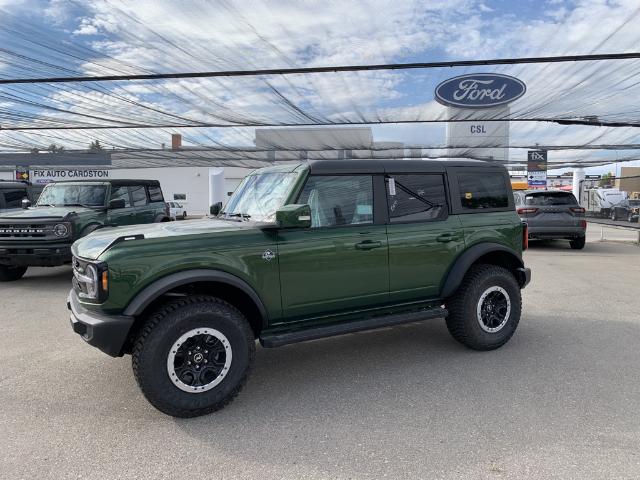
{"x": 70, "y": 194}
{"x": 121, "y": 193}
{"x": 155, "y": 194}
{"x": 179, "y": 196}
{"x": 139, "y": 196}
{"x": 339, "y": 200}
{"x": 13, "y": 198}
{"x": 483, "y": 190}
{"x": 550, "y": 198}
{"x": 415, "y": 197}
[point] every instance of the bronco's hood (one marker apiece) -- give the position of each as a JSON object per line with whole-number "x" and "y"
{"x": 93, "y": 245}
{"x": 41, "y": 212}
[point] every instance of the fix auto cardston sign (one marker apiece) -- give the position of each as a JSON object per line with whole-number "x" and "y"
{"x": 479, "y": 90}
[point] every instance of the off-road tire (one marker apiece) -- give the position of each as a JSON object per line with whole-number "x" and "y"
{"x": 163, "y": 327}
{"x": 462, "y": 320}
{"x": 11, "y": 274}
{"x": 578, "y": 243}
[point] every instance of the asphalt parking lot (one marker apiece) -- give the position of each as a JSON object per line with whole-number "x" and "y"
{"x": 558, "y": 401}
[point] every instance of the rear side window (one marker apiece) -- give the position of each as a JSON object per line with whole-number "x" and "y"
{"x": 121, "y": 193}
{"x": 415, "y": 198}
{"x": 155, "y": 194}
{"x": 13, "y": 198}
{"x": 483, "y": 190}
{"x": 339, "y": 200}
{"x": 551, "y": 198}
{"x": 139, "y": 196}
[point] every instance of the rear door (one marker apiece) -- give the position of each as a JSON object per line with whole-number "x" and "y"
{"x": 424, "y": 239}
{"x": 551, "y": 209}
{"x": 142, "y": 211}
{"x": 341, "y": 262}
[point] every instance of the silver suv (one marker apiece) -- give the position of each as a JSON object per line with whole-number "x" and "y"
{"x": 552, "y": 214}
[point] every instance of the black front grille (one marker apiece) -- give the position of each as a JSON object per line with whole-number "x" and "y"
{"x": 25, "y": 230}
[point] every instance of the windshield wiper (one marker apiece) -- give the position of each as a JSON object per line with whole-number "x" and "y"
{"x": 84, "y": 205}
{"x": 241, "y": 215}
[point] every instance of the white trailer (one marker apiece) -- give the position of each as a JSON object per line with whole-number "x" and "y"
{"x": 600, "y": 201}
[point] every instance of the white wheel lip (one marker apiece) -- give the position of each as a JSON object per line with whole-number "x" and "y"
{"x": 484, "y": 295}
{"x": 192, "y": 333}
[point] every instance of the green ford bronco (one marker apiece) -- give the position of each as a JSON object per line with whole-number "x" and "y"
{"x": 302, "y": 252}
{"x": 41, "y": 236}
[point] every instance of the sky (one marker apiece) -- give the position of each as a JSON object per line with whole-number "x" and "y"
{"x": 105, "y": 37}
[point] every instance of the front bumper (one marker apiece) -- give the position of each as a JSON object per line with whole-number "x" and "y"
{"x": 34, "y": 255}
{"x": 105, "y": 332}
{"x": 552, "y": 232}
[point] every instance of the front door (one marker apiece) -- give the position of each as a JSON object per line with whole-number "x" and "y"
{"x": 120, "y": 216}
{"x": 341, "y": 262}
{"x": 424, "y": 239}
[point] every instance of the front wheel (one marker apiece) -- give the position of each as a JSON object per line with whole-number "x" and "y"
{"x": 193, "y": 356}
{"x": 11, "y": 274}
{"x": 485, "y": 311}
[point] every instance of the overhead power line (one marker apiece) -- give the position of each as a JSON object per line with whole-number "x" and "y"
{"x": 328, "y": 69}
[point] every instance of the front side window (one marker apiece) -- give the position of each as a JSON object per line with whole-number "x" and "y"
{"x": 339, "y": 200}
{"x": 60, "y": 194}
{"x": 259, "y": 196}
{"x": 415, "y": 198}
{"x": 483, "y": 190}
{"x": 139, "y": 196}
{"x": 121, "y": 193}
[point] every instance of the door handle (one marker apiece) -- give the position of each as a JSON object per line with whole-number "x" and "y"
{"x": 447, "y": 237}
{"x": 368, "y": 245}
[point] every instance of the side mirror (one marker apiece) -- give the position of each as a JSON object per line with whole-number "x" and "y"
{"x": 294, "y": 216}
{"x": 26, "y": 203}
{"x": 215, "y": 208}
{"x": 117, "y": 203}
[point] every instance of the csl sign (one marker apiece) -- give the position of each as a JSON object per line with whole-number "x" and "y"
{"x": 479, "y": 90}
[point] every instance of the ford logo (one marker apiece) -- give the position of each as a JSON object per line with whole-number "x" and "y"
{"x": 479, "y": 90}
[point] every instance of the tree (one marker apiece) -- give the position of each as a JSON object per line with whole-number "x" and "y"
{"x": 53, "y": 148}
{"x": 34, "y": 150}
{"x": 95, "y": 146}
{"x": 605, "y": 180}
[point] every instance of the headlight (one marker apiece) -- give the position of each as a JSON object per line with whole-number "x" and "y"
{"x": 91, "y": 280}
{"x": 61, "y": 230}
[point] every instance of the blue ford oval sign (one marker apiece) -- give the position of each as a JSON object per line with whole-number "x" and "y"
{"x": 479, "y": 90}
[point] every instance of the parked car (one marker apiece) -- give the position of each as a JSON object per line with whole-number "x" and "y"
{"x": 628, "y": 210}
{"x": 552, "y": 215}
{"x": 302, "y": 252}
{"x": 177, "y": 211}
{"x": 12, "y": 193}
{"x": 65, "y": 211}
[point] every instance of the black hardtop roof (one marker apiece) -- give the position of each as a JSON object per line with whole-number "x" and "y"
{"x": 13, "y": 183}
{"x": 327, "y": 167}
{"x": 115, "y": 182}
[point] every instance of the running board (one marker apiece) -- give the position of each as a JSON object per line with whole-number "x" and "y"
{"x": 270, "y": 340}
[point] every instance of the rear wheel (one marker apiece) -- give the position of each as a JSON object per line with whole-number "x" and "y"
{"x": 193, "y": 356}
{"x": 11, "y": 274}
{"x": 578, "y": 243}
{"x": 485, "y": 311}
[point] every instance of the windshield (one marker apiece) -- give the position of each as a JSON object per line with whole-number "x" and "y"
{"x": 259, "y": 196}
{"x": 61, "y": 195}
{"x": 551, "y": 198}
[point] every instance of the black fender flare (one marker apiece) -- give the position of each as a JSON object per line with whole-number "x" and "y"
{"x": 468, "y": 258}
{"x": 92, "y": 227}
{"x": 151, "y": 292}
